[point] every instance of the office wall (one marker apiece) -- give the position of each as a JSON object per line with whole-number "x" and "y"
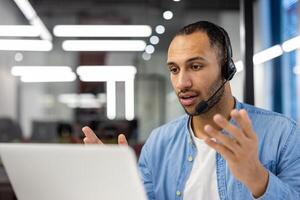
{"x": 39, "y": 101}
{"x": 9, "y": 14}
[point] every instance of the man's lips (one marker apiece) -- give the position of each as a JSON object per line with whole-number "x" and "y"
{"x": 187, "y": 99}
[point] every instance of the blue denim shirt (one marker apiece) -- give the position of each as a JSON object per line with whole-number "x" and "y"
{"x": 165, "y": 162}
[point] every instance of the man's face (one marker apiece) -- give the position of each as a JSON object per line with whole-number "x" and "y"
{"x": 194, "y": 69}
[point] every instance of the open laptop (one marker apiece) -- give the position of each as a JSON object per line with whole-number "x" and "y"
{"x": 72, "y": 172}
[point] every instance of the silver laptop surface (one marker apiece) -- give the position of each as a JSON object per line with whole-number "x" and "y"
{"x": 72, "y": 172}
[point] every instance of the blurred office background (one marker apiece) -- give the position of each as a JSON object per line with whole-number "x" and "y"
{"x": 56, "y": 78}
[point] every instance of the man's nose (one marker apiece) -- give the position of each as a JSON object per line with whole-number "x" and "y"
{"x": 184, "y": 81}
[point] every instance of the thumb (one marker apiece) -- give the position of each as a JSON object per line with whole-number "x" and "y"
{"x": 122, "y": 139}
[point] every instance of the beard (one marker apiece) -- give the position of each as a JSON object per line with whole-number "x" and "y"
{"x": 212, "y": 102}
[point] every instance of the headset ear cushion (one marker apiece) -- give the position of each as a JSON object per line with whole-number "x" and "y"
{"x": 231, "y": 70}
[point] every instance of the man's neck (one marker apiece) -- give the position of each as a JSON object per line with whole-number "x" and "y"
{"x": 223, "y": 107}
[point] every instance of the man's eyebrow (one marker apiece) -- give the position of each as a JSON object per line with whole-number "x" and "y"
{"x": 189, "y": 60}
{"x": 171, "y": 63}
{"x": 196, "y": 58}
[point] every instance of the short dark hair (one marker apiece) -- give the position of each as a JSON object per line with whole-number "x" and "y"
{"x": 216, "y": 34}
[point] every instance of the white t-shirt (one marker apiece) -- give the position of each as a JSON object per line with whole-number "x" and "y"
{"x": 202, "y": 182}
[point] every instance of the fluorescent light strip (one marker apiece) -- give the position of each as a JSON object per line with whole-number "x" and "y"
{"x": 44, "y": 73}
{"x": 45, "y": 34}
{"x": 102, "y": 31}
{"x": 85, "y": 100}
{"x": 19, "y": 31}
{"x": 25, "y": 45}
{"x": 111, "y": 99}
{"x": 40, "y": 70}
{"x": 111, "y": 74}
{"x": 267, "y": 54}
{"x": 100, "y": 69}
{"x": 33, "y": 18}
{"x": 88, "y": 101}
{"x": 26, "y": 9}
{"x": 105, "y": 77}
{"x": 106, "y": 73}
{"x": 104, "y": 45}
{"x": 72, "y": 98}
{"x": 67, "y": 77}
{"x": 270, "y": 53}
{"x": 291, "y": 44}
{"x": 129, "y": 99}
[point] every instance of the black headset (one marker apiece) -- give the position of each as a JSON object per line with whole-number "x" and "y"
{"x": 228, "y": 69}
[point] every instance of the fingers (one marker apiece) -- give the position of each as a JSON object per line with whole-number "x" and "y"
{"x": 241, "y": 140}
{"x": 225, "y": 144}
{"x": 230, "y": 128}
{"x": 224, "y": 139}
{"x": 122, "y": 139}
{"x": 221, "y": 149}
{"x": 90, "y": 136}
{"x": 243, "y": 120}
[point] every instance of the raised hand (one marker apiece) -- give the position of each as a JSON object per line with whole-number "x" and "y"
{"x": 91, "y": 138}
{"x": 240, "y": 150}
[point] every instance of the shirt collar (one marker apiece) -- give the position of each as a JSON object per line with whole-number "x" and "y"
{"x": 237, "y": 105}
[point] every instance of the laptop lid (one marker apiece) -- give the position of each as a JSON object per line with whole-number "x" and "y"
{"x": 72, "y": 172}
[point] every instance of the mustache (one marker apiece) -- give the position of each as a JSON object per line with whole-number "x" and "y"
{"x": 185, "y": 91}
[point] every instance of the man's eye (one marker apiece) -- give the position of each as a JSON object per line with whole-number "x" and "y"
{"x": 196, "y": 66}
{"x": 174, "y": 70}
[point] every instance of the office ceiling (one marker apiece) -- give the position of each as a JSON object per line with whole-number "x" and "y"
{"x": 189, "y": 4}
{"x": 127, "y": 12}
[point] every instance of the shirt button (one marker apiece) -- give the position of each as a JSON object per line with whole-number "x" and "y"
{"x": 190, "y": 158}
{"x": 178, "y": 193}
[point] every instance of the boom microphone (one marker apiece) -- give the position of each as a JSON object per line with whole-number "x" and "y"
{"x": 203, "y": 106}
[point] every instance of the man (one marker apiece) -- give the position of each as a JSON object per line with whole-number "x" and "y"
{"x": 222, "y": 149}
